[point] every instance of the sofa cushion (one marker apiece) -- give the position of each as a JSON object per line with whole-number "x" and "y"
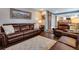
{"x": 17, "y": 34}
{"x": 31, "y": 27}
{"x": 68, "y": 40}
{"x": 24, "y": 27}
{"x": 9, "y": 29}
{"x": 16, "y": 27}
{"x": 15, "y": 39}
{"x": 27, "y": 27}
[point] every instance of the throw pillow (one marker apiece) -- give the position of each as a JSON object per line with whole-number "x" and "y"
{"x": 8, "y": 29}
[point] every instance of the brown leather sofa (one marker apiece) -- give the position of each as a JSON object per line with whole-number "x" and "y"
{"x": 22, "y": 31}
{"x": 58, "y": 32}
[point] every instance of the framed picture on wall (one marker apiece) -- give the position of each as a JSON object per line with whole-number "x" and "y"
{"x": 19, "y": 14}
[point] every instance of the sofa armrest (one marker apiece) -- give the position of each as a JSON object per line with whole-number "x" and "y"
{"x": 4, "y": 39}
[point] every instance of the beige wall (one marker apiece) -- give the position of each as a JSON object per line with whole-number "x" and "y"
{"x": 39, "y": 18}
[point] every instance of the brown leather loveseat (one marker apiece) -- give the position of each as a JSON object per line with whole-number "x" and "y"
{"x": 57, "y": 32}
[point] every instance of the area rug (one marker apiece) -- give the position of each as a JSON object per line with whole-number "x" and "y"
{"x": 35, "y": 43}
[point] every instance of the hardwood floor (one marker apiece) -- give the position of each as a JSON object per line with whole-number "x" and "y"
{"x": 49, "y": 35}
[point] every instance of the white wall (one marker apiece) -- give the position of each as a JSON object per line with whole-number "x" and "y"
{"x": 46, "y": 22}
{"x": 5, "y": 16}
{"x": 53, "y": 22}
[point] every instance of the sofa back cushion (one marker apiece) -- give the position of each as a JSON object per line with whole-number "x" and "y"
{"x": 25, "y": 27}
{"x": 8, "y": 29}
{"x": 31, "y": 26}
{"x": 16, "y": 27}
{"x": 64, "y": 28}
{"x": 20, "y": 27}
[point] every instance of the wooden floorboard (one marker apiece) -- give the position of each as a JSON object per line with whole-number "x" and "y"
{"x": 49, "y": 35}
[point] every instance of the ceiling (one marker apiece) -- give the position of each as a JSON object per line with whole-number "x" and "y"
{"x": 61, "y": 10}
{"x": 64, "y": 12}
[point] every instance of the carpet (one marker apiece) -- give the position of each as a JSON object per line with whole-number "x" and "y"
{"x": 35, "y": 43}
